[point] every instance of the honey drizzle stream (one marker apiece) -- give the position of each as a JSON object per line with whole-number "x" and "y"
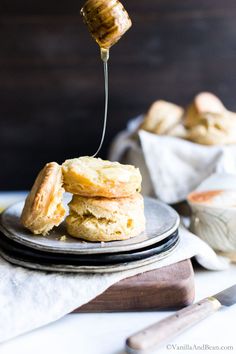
{"x": 105, "y": 57}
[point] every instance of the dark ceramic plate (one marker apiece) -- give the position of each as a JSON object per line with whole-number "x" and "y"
{"x": 101, "y": 263}
{"x": 17, "y": 250}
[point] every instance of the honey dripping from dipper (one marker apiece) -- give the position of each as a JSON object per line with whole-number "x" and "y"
{"x": 107, "y": 21}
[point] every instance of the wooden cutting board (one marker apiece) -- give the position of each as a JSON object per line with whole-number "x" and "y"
{"x": 170, "y": 287}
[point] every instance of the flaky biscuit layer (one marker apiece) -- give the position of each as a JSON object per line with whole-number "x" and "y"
{"x": 94, "y": 177}
{"x": 102, "y": 219}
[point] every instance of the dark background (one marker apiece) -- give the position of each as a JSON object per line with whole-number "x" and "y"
{"x": 51, "y": 83}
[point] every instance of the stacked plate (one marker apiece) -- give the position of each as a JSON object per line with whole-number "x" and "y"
{"x": 60, "y": 252}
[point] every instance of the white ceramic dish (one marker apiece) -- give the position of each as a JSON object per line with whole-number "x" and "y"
{"x": 214, "y": 217}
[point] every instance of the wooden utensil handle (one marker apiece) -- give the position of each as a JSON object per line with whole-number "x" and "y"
{"x": 171, "y": 326}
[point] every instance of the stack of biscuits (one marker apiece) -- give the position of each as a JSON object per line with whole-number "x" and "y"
{"x": 106, "y": 203}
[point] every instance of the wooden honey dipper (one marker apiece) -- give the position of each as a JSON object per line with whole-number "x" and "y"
{"x": 107, "y": 21}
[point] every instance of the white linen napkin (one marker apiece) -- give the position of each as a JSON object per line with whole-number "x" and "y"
{"x": 30, "y": 299}
{"x": 175, "y": 166}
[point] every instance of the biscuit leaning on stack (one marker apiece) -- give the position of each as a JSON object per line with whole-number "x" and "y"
{"x": 106, "y": 203}
{"x": 43, "y": 207}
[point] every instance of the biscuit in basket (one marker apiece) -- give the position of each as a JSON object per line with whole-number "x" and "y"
{"x": 102, "y": 219}
{"x": 43, "y": 207}
{"x": 203, "y": 103}
{"x": 161, "y": 117}
{"x": 214, "y": 129}
{"x": 94, "y": 177}
{"x": 208, "y": 122}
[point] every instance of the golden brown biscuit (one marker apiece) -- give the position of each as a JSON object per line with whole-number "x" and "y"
{"x": 102, "y": 219}
{"x": 94, "y": 177}
{"x": 203, "y": 103}
{"x": 214, "y": 129}
{"x": 161, "y": 117}
{"x": 208, "y": 122}
{"x": 43, "y": 207}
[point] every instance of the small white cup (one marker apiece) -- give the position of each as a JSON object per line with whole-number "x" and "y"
{"x": 214, "y": 218}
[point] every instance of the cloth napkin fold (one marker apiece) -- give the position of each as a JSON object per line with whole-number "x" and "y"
{"x": 30, "y": 299}
{"x": 175, "y": 166}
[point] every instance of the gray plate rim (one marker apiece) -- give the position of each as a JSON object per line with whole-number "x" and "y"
{"x": 111, "y": 249}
